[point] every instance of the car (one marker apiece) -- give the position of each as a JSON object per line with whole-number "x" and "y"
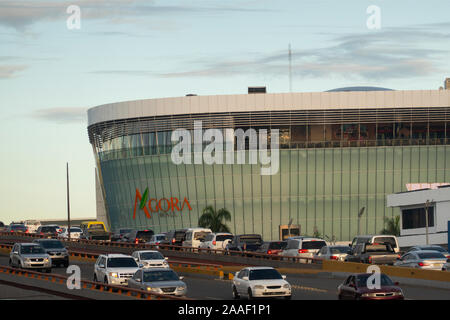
{"x": 139, "y": 236}
{"x": 157, "y": 239}
{"x": 19, "y": 228}
{"x": 446, "y": 266}
{"x": 158, "y": 280}
{"x": 245, "y": 243}
{"x": 119, "y": 234}
{"x": 355, "y": 287}
{"x": 335, "y": 252}
{"x": 114, "y": 269}
{"x": 49, "y": 231}
{"x": 430, "y": 247}
{"x": 175, "y": 237}
{"x": 195, "y": 236}
{"x": 56, "y": 250}
{"x": 94, "y": 230}
{"x": 272, "y": 247}
{"x": 373, "y": 253}
{"x": 216, "y": 241}
{"x": 259, "y": 282}
{"x": 59, "y": 229}
{"x": 150, "y": 259}
{"x": 303, "y": 247}
{"x": 32, "y": 225}
{"x": 2, "y": 226}
{"x": 30, "y": 256}
{"x": 425, "y": 259}
{"x": 75, "y": 233}
{"x": 381, "y": 238}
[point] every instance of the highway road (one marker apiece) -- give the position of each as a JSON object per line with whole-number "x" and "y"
{"x": 305, "y": 286}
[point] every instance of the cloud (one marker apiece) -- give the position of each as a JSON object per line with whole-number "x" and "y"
{"x": 10, "y": 71}
{"x": 61, "y": 115}
{"x": 20, "y": 14}
{"x": 388, "y": 54}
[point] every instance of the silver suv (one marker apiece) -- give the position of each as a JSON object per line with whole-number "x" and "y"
{"x": 114, "y": 269}
{"x": 56, "y": 251}
{"x": 30, "y": 256}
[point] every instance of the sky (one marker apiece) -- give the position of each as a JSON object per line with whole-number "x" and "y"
{"x": 51, "y": 74}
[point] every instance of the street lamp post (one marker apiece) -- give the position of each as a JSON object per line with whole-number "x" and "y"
{"x": 426, "y": 220}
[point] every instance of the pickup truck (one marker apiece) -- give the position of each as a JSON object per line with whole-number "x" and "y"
{"x": 94, "y": 230}
{"x": 373, "y": 253}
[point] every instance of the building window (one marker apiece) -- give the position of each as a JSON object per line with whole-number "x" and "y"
{"x": 415, "y": 218}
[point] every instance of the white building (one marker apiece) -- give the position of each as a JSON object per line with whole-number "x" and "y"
{"x": 413, "y": 205}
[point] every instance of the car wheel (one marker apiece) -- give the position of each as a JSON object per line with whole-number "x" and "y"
{"x": 287, "y": 298}
{"x": 235, "y": 294}
{"x": 250, "y": 294}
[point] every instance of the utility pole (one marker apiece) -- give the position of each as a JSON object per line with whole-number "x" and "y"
{"x": 290, "y": 68}
{"x": 68, "y": 201}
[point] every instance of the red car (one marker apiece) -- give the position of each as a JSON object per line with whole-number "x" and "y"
{"x": 356, "y": 287}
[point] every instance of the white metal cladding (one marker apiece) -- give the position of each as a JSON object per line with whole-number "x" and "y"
{"x": 268, "y": 102}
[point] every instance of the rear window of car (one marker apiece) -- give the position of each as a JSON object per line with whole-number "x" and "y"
{"x": 179, "y": 235}
{"x": 200, "y": 235}
{"x": 251, "y": 240}
{"x": 52, "y": 244}
{"x": 48, "y": 229}
{"x": 97, "y": 226}
{"x": 337, "y": 250}
{"x": 438, "y": 249}
{"x": 278, "y": 245}
{"x": 144, "y": 234}
{"x": 431, "y": 255}
{"x": 378, "y": 248}
{"x": 313, "y": 244}
{"x": 18, "y": 227}
{"x": 389, "y": 240}
{"x": 224, "y": 237}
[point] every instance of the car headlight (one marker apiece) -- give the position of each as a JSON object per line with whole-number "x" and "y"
{"x": 258, "y": 287}
{"x": 26, "y": 260}
{"x": 286, "y": 286}
{"x": 181, "y": 288}
{"x": 46, "y": 260}
{"x": 165, "y": 263}
{"x": 114, "y": 274}
{"x": 149, "y": 288}
{"x": 399, "y": 293}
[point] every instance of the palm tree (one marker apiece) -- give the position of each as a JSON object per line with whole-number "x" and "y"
{"x": 392, "y": 226}
{"x": 212, "y": 219}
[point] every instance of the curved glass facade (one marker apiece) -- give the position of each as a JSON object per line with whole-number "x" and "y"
{"x": 328, "y": 172}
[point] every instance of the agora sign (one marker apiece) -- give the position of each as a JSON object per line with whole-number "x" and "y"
{"x": 158, "y": 205}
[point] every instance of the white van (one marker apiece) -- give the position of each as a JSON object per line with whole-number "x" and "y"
{"x": 32, "y": 225}
{"x": 379, "y": 238}
{"x": 195, "y": 236}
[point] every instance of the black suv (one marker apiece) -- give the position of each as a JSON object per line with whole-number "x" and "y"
{"x": 139, "y": 236}
{"x": 175, "y": 237}
{"x": 245, "y": 242}
{"x": 49, "y": 231}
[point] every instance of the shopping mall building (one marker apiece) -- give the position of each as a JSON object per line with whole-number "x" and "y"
{"x": 339, "y": 151}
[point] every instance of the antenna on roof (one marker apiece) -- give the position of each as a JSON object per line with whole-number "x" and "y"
{"x": 290, "y": 67}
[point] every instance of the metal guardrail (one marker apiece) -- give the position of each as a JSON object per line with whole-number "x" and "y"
{"x": 203, "y": 251}
{"x": 87, "y": 284}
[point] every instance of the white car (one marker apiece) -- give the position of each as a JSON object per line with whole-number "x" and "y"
{"x": 114, "y": 269}
{"x": 75, "y": 233}
{"x": 150, "y": 259}
{"x": 32, "y": 225}
{"x": 337, "y": 253}
{"x": 156, "y": 239}
{"x": 195, "y": 236}
{"x": 258, "y": 282}
{"x": 216, "y": 241}
{"x": 303, "y": 247}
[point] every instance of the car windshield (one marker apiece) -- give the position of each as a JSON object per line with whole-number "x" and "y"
{"x": 97, "y": 227}
{"x": 264, "y": 274}
{"x": 154, "y": 276}
{"x": 278, "y": 245}
{"x": 223, "y": 237}
{"x": 313, "y": 244}
{"x": 431, "y": 255}
{"x": 251, "y": 240}
{"x": 378, "y": 248}
{"x": 363, "y": 280}
{"x": 337, "y": 250}
{"x": 439, "y": 249}
{"x": 151, "y": 256}
{"x": 52, "y": 244}
{"x": 122, "y": 263}
{"x": 31, "y": 250}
